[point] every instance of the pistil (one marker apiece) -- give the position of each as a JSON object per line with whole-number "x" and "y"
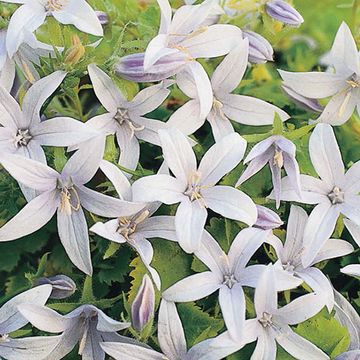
{"x": 122, "y": 117}
{"x": 22, "y": 137}
{"x": 266, "y": 320}
{"x": 127, "y": 226}
{"x": 336, "y": 196}
{"x": 194, "y": 189}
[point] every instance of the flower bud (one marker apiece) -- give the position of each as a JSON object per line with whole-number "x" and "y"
{"x": 267, "y": 219}
{"x": 75, "y": 52}
{"x": 62, "y": 286}
{"x": 143, "y": 307}
{"x": 131, "y": 67}
{"x": 283, "y": 12}
{"x": 103, "y": 17}
{"x": 260, "y": 50}
{"x": 302, "y": 101}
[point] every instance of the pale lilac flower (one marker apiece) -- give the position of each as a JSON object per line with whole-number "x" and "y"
{"x": 278, "y": 152}
{"x": 302, "y": 101}
{"x": 282, "y": 11}
{"x": 272, "y": 325}
{"x": 137, "y": 228}
{"x": 219, "y": 104}
{"x": 32, "y": 14}
{"x": 143, "y": 307}
{"x": 343, "y": 85}
{"x": 194, "y": 187}
{"x": 260, "y": 50}
{"x": 267, "y": 219}
{"x": 349, "y": 355}
{"x": 354, "y": 229}
{"x": 64, "y": 194}
{"x": 335, "y": 193}
{"x": 86, "y": 325}
{"x": 103, "y": 17}
{"x": 62, "y": 286}
{"x": 228, "y": 274}
{"x": 290, "y": 255}
{"x": 171, "y": 338}
{"x": 125, "y": 118}
{"x": 185, "y": 36}
{"x": 31, "y": 348}
{"x": 23, "y": 133}
{"x": 349, "y": 318}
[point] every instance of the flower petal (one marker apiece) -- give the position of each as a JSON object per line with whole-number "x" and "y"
{"x": 158, "y": 226}
{"x": 333, "y": 249}
{"x": 121, "y": 351}
{"x": 11, "y": 114}
{"x": 220, "y": 125}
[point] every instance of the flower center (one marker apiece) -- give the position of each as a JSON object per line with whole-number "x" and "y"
{"x": 218, "y": 108}
{"x": 4, "y": 338}
{"x": 194, "y": 189}
{"x": 289, "y": 267}
{"x": 22, "y": 138}
{"x": 336, "y": 196}
{"x": 278, "y": 158}
{"x": 127, "y": 226}
{"x": 69, "y": 197}
{"x": 229, "y": 280}
{"x": 122, "y": 117}
{"x": 266, "y": 320}
{"x": 55, "y": 5}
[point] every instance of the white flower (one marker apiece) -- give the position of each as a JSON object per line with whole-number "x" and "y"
{"x": 32, "y": 14}
{"x": 228, "y": 273}
{"x": 354, "y": 229}
{"x": 343, "y": 85}
{"x": 290, "y": 255}
{"x": 221, "y": 106}
{"x": 335, "y": 193}
{"x": 194, "y": 187}
{"x": 136, "y": 229}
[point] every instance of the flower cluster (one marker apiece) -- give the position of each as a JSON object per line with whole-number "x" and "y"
{"x": 261, "y": 277}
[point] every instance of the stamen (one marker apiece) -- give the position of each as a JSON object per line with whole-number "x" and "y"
{"x": 217, "y": 106}
{"x": 122, "y": 117}
{"x": 266, "y": 320}
{"x": 229, "y": 280}
{"x": 336, "y": 196}
{"x": 127, "y": 226}
{"x": 194, "y": 189}
{"x": 68, "y": 193}
{"x": 55, "y": 5}
{"x": 22, "y": 138}
{"x": 278, "y": 158}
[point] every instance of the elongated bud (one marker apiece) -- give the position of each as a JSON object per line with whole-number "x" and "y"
{"x": 62, "y": 286}
{"x": 143, "y": 307}
{"x": 131, "y": 67}
{"x": 302, "y": 101}
{"x": 103, "y": 17}
{"x": 76, "y": 51}
{"x": 283, "y": 12}
{"x": 260, "y": 50}
{"x": 267, "y": 219}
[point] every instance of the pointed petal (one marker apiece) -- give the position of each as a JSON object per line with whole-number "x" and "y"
{"x": 320, "y": 284}
{"x": 106, "y": 206}
{"x": 221, "y": 158}
{"x": 129, "y": 148}
{"x": 250, "y": 111}
{"x": 108, "y": 231}
{"x": 105, "y": 89}
{"x": 11, "y": 114}
{"x": 107, "y": 324}
{"x": 166, "y": 14}
{"x": 276, "y": 180}
{"x": 158, "y": 226}
{"x": 121, "y": 351}
{"x": 354, "y": 230}
{"x": 318, "y": 230}
{"x": 333, "y": 249}
{"x": 220, "y": 125}
{"x": 74, "y": 236}
{"x": 352, "y": 270}
{"x": 43, "y": 318}
{"x": 193, "y": 287}
{"x": 230, "y": 203}
{"x": 315, "y": 85}
{"x": 190, "y": 220}
{"x": 232, "y": 304}
{"x": 170, "y": 331}
{"x": 265, "y": 299}
{"x": 231, "y": 70}
{"x": 80, "y": 14}
{"x": 299, "y": 347}
{"x": 38, "y": 94}
{"x": 10, "y": 317}
{"x": 352, "y": 179}
{"x": 350, "y": 207}
{"x": 161, "y": 187}
{"x": 31, "y": 218}
{"x": 265, "y": 348}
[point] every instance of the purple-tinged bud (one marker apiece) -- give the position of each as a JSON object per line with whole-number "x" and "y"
{"x": 302, "y": 101}
{"x": 131, "y": 67}
{"x": 260, "y": 50}
{"x": 267, "y": 219}
{"x": 143, "y": 307}
{"x": 282, "y": 11}
{"x": 62, "y": 286}
{"x": 103, "y": 17}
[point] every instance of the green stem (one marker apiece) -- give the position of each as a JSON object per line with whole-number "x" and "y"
{"x": 354, "y": 13}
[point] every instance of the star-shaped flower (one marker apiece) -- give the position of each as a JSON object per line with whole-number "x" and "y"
{"x": 194, "y": 187}
{"x": 224, "y": 106}
{"x": 343, "y": 86}
{"x": 228, "y": 274}
{"x": 86, "y": 325}
{"x": 66, "y": 195}
{"x": 136, "y": 229}
{"x": 335, "y": 193}
{"x": 32, "y": 14}
{"x": 23, "y": 133}
{"x": 290, "y": 255}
